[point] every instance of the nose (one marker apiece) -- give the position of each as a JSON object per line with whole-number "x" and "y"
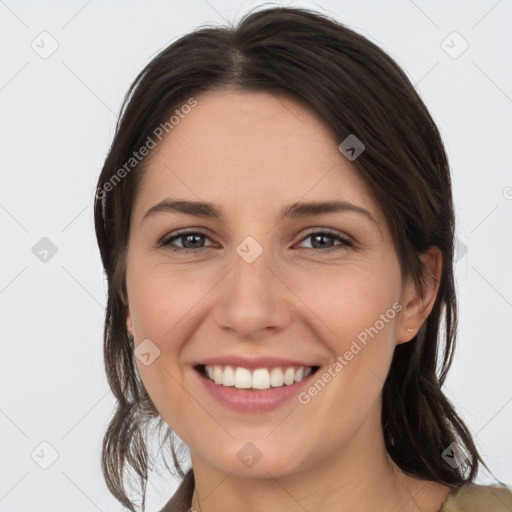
{"x": 254, "y": 299}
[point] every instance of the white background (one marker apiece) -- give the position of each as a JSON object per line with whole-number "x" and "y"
{"x": 57, "y": 121}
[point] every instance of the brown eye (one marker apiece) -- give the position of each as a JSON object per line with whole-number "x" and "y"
{"x": 320, "y": 240}
{"x": 191, "y": 241}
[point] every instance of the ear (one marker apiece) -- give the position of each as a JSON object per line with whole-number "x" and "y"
{"x": 417, "y": 302}
{"x": 129, "y": 322}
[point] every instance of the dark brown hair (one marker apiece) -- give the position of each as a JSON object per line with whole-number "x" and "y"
{"x": 356, "y": 88}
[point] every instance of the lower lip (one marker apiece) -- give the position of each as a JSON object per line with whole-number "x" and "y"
{"x": 244, "y": 400}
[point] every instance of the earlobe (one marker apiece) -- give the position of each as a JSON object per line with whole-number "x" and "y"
{"x": 418, "y": 300}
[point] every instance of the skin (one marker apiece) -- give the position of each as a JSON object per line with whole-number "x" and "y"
{"x": 251, "y": 154}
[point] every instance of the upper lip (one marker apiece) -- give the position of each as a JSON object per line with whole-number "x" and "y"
{"x": 252, "y": 362}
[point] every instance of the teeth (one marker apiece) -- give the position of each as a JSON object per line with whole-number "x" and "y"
{"x": 260, "y": 378}
{"x": 276, "y": 377}
{"x": 243, "y": 378}
{"x": 217, "y": 374}
{"x": 289, "y": 376}
{"x": 228, "y": 377}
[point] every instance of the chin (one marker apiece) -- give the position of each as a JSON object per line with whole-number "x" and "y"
{"x": 246, "y": 459}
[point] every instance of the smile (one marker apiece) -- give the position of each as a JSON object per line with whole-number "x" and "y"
{"x": 254, "y": 391}
{"x": 256, "y": 379}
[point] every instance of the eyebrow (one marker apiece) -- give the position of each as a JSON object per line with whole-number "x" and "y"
{"x": 295, "y": 210}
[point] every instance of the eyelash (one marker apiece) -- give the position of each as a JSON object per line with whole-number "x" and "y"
{"x": 326, "y": 231}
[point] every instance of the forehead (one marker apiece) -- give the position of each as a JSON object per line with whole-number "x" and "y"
{"x": 251, "y": 151}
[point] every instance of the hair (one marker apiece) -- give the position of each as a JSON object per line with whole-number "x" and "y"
{"x": 355, "y": 88}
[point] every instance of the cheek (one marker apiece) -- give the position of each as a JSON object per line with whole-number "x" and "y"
{"x": 356, "y": 309}
{"x": 162, "y": 299}
{"x": 355, "y": 315}
{"x": 349, "y": 300}
{"x": 164, "y": 304}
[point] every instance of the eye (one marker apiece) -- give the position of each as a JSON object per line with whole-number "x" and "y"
{"x": 318, "y": 239}
{"x": 191, "y": 240}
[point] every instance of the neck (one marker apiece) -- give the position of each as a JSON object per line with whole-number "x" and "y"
{"x": 357, "y": 476}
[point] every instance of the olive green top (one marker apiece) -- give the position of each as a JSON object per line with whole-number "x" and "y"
{"x": 479, "y": 498}
{"x": 468, "y": 498}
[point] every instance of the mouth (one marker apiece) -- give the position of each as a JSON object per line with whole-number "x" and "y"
{"x": 257, "y": 379}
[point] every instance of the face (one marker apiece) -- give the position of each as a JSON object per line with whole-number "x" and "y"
{"x": 253, "y": 288}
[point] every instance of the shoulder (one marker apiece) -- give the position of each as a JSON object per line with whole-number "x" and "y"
{"x": 479, "y": 498}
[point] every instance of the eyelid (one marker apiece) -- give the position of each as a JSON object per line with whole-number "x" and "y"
{"x": 346, "y": 240}
{"x": 328, "y": 231}
{"x": 182, "y": 232}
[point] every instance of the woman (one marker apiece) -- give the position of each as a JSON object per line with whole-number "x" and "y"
{"x": 276, "y": 223}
